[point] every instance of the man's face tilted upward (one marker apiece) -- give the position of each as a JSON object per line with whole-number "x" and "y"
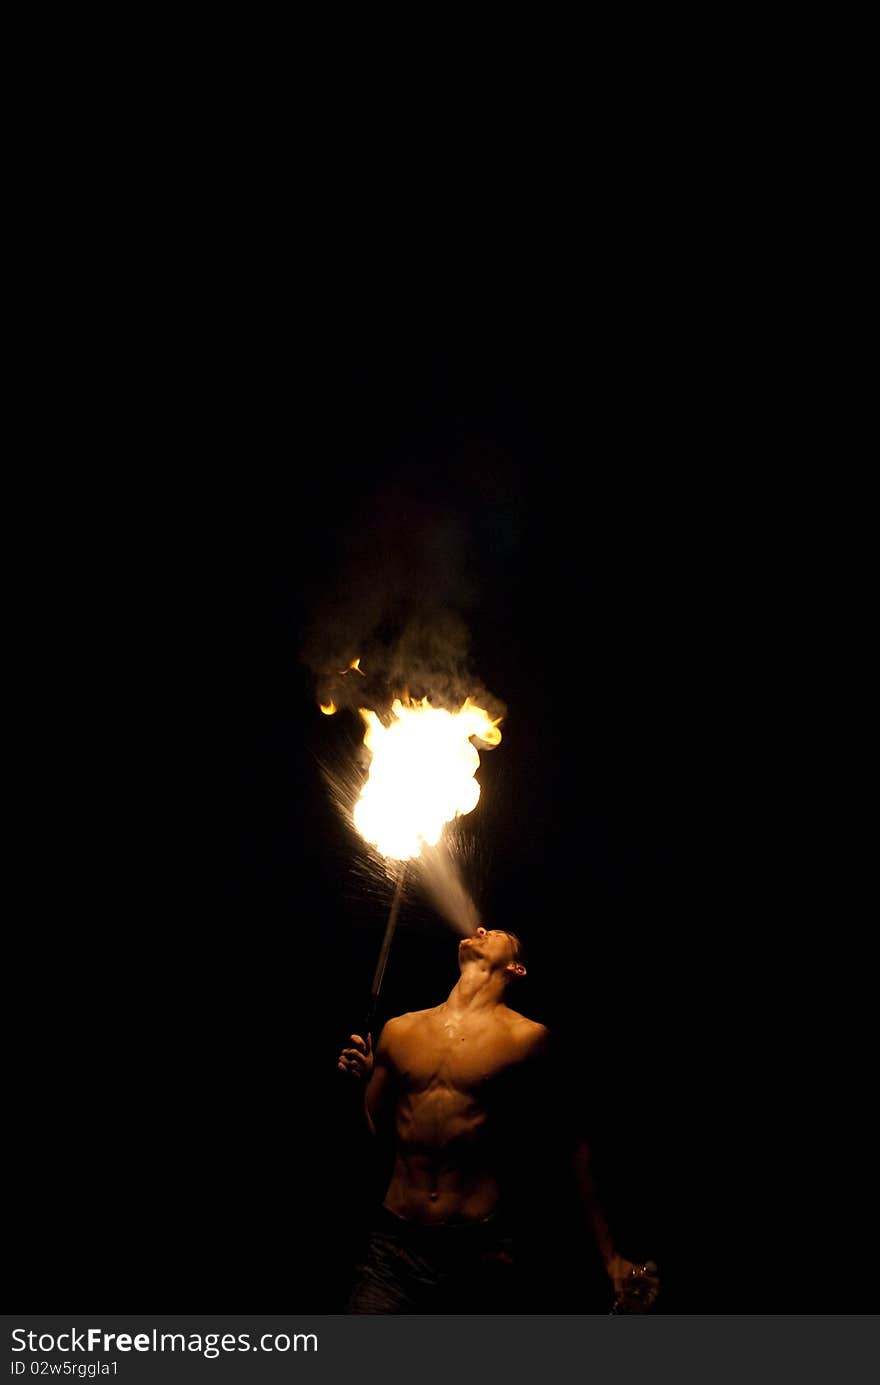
{"x": 493, "y": 946}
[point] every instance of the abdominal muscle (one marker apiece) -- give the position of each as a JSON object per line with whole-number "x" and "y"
{"x": 443, "y": 1158}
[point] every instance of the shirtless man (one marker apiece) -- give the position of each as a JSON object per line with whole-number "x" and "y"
{"x": 445, "y": 1076}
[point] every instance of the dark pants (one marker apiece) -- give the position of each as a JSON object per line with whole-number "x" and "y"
{"x": 462, "y": 1267}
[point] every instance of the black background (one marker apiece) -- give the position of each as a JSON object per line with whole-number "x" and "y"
{"x": 198, "y": 943}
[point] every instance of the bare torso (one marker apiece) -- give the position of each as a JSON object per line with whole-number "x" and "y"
{"x": 450, "y": 1077}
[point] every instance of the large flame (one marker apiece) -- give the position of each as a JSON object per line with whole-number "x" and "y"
{"x": 421, "y": 774}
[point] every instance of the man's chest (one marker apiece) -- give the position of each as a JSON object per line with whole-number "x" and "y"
{"x": 468, "y": 1058}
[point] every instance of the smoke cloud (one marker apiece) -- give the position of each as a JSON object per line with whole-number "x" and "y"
{"x": 398, "y": 605}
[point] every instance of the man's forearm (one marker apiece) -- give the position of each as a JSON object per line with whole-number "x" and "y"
{"x": 590, "y": 1201}
{"x": 371, "y": 1126}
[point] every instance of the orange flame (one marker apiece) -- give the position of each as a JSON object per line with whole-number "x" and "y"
{"x": 356, "y": 665}
{"x": 329, "y": 708}
{"x": 421, "y": 773}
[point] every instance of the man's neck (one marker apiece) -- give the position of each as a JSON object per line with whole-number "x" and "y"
{"x": 476, "y": 990}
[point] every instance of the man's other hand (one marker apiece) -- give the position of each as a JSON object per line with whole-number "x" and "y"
{"x": 634, "y": 1284}
{"x": 358, "y": 1061}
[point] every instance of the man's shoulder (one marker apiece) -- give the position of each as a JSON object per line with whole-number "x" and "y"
{"x": 402, "y": 1024}
{"x": 413, "y": 1016}
{"x": 534, "y": 1037}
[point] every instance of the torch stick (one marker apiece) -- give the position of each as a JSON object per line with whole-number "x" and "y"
{"x": 385, "y": 949}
